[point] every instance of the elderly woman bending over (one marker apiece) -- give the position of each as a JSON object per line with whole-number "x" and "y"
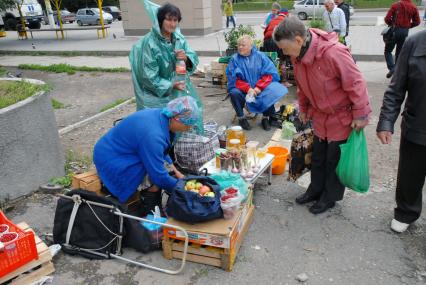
{"x": 332, "y": 92}
{"x": 253, "y": 80}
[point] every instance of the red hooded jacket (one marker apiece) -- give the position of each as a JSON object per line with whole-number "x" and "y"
{"x": 331, "y": 89}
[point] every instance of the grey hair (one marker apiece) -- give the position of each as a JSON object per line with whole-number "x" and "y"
{"x": 328, "y": 1}
{"x": 289, "y": 29}
{"x": 246, "y": 38}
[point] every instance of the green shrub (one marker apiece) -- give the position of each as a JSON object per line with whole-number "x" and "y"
{"x": 233, "y": 35}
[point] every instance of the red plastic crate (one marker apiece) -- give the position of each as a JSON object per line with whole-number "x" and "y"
{"x": 19, "y": 252}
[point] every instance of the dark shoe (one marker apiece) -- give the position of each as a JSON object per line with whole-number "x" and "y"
{"x": 149, "y": 200}
{"x": 320, "y": 207}
{"x": 389, "y": 74}
{"x": 244, "y": 124}
{"x": 265, "y": 124}
{"x": 305, "y": 198}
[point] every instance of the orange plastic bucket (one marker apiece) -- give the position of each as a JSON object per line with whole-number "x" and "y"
{"x": 280, "y": 160}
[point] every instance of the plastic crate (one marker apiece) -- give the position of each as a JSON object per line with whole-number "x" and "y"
{"x": 19, "y": 252}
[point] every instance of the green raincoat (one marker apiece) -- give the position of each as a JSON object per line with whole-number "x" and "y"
{"x": 153, "y": 63}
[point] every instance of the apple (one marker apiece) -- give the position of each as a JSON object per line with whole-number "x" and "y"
{"x": 204, "y": 189}
{"x": 198, "y": 185}
{"x": 209, "y": 194}
{"x": 190, "y": 185}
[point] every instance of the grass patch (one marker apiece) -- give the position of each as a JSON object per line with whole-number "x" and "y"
{"x": 112, "y": 105}
{"x": 257, "y": 5}
{"x": 2, "y": 71}
{"x": 57, "y": 104}
{"x": 12, "y": 92}
{"x": 260, "y": 6}
{"x": 70, "y": 69}
{"x": 74, "y": 163}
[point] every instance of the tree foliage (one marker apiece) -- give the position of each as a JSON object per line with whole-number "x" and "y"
{"x": 4, "y": 4}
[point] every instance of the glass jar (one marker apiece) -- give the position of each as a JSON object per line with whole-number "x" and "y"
{"x": 236, "y": 132}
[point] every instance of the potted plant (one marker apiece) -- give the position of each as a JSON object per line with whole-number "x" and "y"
{"x": 233, "y": 35}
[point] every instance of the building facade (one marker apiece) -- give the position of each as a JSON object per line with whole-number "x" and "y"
{"x": 199, "y": 17}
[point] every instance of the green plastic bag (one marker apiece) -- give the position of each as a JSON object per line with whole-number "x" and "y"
{"x": 288, "y": 130}
{"x": 226, "y": 179}
{"x": 352, "y": 169}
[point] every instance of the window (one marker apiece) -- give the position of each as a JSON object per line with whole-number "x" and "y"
{"x": 89, "y": 12}
{"x": 309, "y": 2}
{"x": 80, "y": 12}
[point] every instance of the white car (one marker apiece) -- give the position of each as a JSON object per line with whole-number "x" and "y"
{"x": 91, "y": 16}
{"x": 304, "y": 9}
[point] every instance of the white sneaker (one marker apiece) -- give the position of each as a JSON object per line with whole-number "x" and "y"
{"x": 398, "y": 226}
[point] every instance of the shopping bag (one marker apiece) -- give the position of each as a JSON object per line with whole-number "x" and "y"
{"x": 352, "y": 168}
{"x": 190, "y": 207}
{"x": 193, "y": 150}
{"x": 388, "y": 34}
{"x": 226, "y": 179}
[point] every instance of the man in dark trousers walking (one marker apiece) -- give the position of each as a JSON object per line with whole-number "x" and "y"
{"x": 409, "y": 84}
{"x": 345, "y": 8}
{"x": 402, "y": 15}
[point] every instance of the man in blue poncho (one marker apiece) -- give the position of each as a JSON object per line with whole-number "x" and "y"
{"x": 134, "y": 154}
{"x": 253, "y": 80}
{"x": 153, "y": 60}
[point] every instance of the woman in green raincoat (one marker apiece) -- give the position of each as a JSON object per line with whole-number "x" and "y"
{"x": 153, "y": 59}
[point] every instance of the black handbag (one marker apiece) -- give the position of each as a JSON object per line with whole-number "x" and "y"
{"x": 388, "y": 33}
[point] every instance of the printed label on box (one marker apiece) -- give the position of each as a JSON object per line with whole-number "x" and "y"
{"x": 206, "y": 239}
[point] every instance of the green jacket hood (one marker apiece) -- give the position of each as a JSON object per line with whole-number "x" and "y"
{"x": 152, "y": 10}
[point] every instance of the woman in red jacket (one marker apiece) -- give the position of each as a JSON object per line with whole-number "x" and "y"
{"x": 332, "y": 92}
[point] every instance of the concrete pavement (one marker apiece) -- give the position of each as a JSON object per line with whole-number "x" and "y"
{"x": 366, "y": 42}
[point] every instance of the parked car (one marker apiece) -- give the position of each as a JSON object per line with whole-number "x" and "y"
{"x": 66, "y": 16}
{"x": 91, "y": 16}
{"x": 114, "y": 11}
{"x": 304, "y": 9}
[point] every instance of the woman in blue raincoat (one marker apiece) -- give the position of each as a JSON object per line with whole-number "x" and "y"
{"x": 153, "y": 60}
{"x": 134, "y": 154}
{"x": 253, "y": 80}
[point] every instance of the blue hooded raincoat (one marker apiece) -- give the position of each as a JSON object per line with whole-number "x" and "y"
{"x": 250, "y": 69}
{"x": 133, "y": 149}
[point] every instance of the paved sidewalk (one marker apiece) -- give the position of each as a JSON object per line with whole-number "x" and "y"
{"x": 365, "y": 40}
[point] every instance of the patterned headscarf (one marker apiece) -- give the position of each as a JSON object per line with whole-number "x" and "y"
{"x": 184, "y": 109}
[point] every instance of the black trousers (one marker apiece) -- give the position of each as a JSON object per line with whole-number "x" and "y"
{"x": 410, "y": 182}
{"x": 400, "y": 36}
{"x": 324, "y": 181}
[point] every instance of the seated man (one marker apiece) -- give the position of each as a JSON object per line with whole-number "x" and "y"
{"x": 134, "y": 153}
{"x": 253, "y": 76}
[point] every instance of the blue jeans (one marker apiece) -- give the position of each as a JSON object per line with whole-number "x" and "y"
{"x": 400, "y": 36}
{"x": 228, "y": 19}
{"x": 238, "y": 100}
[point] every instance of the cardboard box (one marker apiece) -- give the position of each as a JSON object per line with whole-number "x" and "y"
{"x": 217, "y": 233}
{"x": 88, "y": 181}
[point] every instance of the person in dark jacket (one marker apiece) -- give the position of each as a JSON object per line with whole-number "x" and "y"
{"x": 345, "y": 8}
{"x": 408, "y": 83}
{"x": 403, "y": 15}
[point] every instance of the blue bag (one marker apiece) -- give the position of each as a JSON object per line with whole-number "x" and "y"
{"x": 190, "y": 207}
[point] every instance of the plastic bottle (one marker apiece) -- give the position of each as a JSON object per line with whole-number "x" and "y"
{"x": 180, "y": 70}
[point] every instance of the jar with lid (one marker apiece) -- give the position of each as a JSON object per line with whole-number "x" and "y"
{"x": 236, "y": 132}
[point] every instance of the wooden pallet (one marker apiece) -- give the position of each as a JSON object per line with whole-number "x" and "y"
{"x": 210, "y": 255}
{"x": 34, "y": 270}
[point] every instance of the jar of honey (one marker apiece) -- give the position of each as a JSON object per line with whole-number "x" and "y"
{"x": 235, "y": 132}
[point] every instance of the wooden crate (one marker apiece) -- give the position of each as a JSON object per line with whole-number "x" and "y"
{"x": 34, "y": 270}
{"x": 89, "y": 181}
{"x": 208, "y": 254}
